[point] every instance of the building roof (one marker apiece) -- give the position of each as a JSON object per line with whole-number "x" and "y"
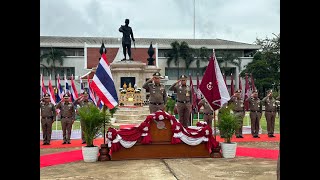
{"x": 163, "y": 43}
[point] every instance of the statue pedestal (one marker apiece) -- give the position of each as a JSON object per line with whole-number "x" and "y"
{"x": 135, "y": 69}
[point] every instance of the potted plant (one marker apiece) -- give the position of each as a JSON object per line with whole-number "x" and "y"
{"x": 227, "y": 126}
{"x": 93, "y": 120}
{"x": 170, "y": 105}
{"x": 112, "y": 112}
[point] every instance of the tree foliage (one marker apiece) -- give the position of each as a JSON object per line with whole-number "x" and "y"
{"x": 265, "y": 66}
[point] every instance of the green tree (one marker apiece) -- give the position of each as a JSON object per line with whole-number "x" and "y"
{"x": 201, "y": 54}
{"x": 265, "y": 66}
{"x": 186, "y": 54}
{"x": 174, "y": 54}
{"x": 178, "y": 52}
{"x": 52, "y": 58}
{"x": 225, "y": 56}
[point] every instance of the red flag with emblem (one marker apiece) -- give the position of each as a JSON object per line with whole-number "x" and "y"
{"x": 198, "y": 98}
{"x": 252, "y": 84}
{"x": 232, "y": 86}
{"x": 246, "y": 94}
{"x": 240, "y": 84}
{"x": 213, "y": 86}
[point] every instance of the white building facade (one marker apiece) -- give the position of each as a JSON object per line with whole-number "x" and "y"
{"x": 77, "y": 60}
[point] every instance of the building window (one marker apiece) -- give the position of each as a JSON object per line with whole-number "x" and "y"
{"x": 70, "y": 71}
{"x": 68, "y": 51}
{"x": 174, "y": 72}
{"x": 45, "y": 71}
{"x": 163, "y": 52}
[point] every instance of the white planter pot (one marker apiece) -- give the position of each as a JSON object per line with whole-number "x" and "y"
{"x": 113, "y": 120}
{"x": 228, "y": 149}
{"x": 90, "y": 154}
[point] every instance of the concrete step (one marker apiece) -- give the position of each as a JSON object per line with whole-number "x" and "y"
{"x": 126, "y": 121}
{"x": 131, "y": 117}
{"x": 131, "y": 112}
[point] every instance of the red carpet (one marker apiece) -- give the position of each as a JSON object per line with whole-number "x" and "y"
{"x": 74, "y": 143}
{"x": 258, "y": 152}
{"x": 60, "y": 158}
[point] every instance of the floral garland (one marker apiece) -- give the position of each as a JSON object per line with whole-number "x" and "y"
{"x": 191, "y": 135}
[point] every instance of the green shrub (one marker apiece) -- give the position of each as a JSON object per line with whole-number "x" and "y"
{"x": 93, "y": 120}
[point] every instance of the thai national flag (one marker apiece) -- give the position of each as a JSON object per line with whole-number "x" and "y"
{"x": 74, "y": 92}
{"x": 103, "y": 84}
{"x": 81, "y": 86}
{"x": 43, "y": 88}
{"x": 51, "y": 92}
{"x": 60, "y": 90}
{"x": 90, "y": 92}
{"x": 66, "y": 88}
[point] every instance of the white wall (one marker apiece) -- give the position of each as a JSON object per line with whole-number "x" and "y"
{"x": 69, "y": 61}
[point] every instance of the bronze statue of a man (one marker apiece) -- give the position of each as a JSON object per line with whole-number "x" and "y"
{"x": 126, "y": 40}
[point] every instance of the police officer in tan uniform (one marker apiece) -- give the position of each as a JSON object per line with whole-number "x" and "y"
{"x": 270, "y": 112}
{"x": 158, "y": 94}
{"x": 83, "y": 100}
{"x": 184, "y": 99}
{"x": 255, "y": 108}
{"x": 207, "y": 111}
{"x": 238, "y": 110}
{"x": 67, "y": 112}
{"x": 48, "y": 116}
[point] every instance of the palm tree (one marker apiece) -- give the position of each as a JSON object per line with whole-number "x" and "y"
{"x": 186, "y": 53}
{"x": 174, "y": 54}
{"x": 202, "y": 54}
{"x": 180, "y": 51}
{"x": 228, "y": 57}
{"x": 53, "y": 57}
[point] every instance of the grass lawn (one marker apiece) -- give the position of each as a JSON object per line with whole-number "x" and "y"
{"x": 76, "y": 125}
{"x": 247, "y": 122}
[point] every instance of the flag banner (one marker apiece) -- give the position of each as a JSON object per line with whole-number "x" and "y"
{"x": 247, "y": 94}
{"x": 43, "y": 88}
{"x": 212, "y": 86}
{"x": 232, "y": 86}
{"x": 103, "y": 84}
{"x": 60, "y": 90}
{"x": 90, "y": 92}
{"x": 74, "y": 92}
{"x": 51, "y": 92}
{"x": 81, "y": 86}
{"x": 198, "y": 92}
{"x": 66, "y": 87}
{"x": 252, "y": 83}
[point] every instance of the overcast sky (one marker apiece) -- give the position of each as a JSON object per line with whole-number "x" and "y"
{"x": 235, "y": 20}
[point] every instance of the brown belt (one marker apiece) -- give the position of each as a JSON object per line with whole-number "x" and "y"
{"x": 238, "y": 111}
{"x": 208, "y": 113}
{"x": 65, "y": 117}
{"x": 155, "y": 103}
{"x": 256, "y": 111}
{"x": 183, "y": 101}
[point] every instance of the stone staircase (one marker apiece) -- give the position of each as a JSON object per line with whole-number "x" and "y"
{"x": 131, "y": 115}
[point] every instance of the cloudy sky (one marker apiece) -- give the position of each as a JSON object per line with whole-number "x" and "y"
{"x": 235, "y": 20}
